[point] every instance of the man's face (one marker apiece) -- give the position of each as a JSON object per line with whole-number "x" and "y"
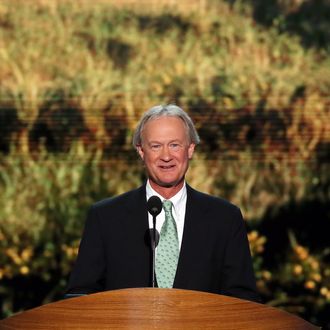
{"x": 166, "y": 151}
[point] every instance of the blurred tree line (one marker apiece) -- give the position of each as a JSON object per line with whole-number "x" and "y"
{"x": 75, "y": 78}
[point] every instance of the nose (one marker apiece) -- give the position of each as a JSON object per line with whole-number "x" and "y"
{"x": 166, "y": 154}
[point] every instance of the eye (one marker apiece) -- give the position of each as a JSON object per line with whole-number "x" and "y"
{"x": 155, "y": 147}
{"x": 175, "y": 146}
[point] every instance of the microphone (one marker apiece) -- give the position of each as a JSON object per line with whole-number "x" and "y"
{"x": 154, "y": 206}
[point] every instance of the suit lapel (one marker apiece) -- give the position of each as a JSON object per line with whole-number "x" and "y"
{"x": 131, "y": 224}
{"x": 136, "y": 208}
{"x": 194, "y": 234}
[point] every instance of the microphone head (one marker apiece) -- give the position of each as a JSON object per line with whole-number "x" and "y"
{"x": 154, "y": 205}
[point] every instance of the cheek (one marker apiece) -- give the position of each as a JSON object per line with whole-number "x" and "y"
{"x": 184, "y": 159}
{"x": 149, "y": 159}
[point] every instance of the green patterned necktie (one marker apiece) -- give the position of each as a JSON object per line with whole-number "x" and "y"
{"x": 167, "y": 250}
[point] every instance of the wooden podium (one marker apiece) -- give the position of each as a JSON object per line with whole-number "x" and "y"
{"x": 149, "y": 308}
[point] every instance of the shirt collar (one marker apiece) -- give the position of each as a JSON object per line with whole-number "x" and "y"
{"x": 177, "y": 199}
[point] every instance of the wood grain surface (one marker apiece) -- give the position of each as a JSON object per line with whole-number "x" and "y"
{"x": 149, "y": 308}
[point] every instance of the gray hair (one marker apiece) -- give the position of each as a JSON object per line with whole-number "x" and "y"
{"x": 170, "y": 110}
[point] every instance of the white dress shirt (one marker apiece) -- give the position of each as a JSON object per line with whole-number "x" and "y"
{"x": 178, "y": 210}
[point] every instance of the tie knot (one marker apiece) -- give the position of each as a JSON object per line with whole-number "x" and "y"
{"x": 167, "y": 205}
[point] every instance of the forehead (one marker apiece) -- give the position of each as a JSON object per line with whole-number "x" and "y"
{"x": 165, "y": 127}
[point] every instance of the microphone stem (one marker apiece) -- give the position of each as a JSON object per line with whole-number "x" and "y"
{"x": 153, "y": 250}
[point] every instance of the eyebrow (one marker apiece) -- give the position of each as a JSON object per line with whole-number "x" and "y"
{"x": 172, "y": 141}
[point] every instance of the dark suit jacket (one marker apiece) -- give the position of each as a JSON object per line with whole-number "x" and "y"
{"x": 214, "y": 254}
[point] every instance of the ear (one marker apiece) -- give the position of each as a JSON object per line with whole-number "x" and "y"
{"x": 140, "y": 151}
{"x": 191, "y": 150}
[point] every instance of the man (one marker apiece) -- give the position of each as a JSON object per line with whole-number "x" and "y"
{"x": 209, "y": 251}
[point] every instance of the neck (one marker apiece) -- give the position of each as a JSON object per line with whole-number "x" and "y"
{"x": 167, "y": 192}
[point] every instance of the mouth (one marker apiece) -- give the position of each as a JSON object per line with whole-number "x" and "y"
{"x": 166, "y": 167}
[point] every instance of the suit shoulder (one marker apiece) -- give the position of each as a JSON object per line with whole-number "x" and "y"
{"x": 118, "y": 200}
{"x": 211, "y": 201}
